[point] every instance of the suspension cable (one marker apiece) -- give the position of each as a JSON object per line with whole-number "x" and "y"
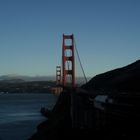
{"x": 80, "y": 61}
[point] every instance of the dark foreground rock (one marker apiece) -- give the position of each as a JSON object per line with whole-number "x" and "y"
{"x": 59, "y": 123}
{"x": 59, "y": 120}
{"x": 114, "y": 121}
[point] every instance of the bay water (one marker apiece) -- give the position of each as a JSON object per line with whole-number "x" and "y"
{"x": 20, "y": 114}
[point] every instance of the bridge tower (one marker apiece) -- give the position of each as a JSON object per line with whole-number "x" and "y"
{"x": 68, "y": 61}
{"x": 58, "y": 75}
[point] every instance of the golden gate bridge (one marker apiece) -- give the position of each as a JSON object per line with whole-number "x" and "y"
{"x": 71, "y": 72}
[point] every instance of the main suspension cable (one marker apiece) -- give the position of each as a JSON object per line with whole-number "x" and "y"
{"x": 80, "y": 61}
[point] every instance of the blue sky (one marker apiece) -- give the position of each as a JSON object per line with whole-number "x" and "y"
{"x": 107, "y": 34}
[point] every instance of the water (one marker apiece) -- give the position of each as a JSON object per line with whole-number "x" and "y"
{"x": 19, "y": 114}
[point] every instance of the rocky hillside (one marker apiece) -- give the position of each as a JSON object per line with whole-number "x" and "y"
{"x": 122, "y": 79}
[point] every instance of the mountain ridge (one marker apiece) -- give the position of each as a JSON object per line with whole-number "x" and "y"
{"x": 126, "y": 78}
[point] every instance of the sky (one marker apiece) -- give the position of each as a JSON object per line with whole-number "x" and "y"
{"x": 107, "y": 34}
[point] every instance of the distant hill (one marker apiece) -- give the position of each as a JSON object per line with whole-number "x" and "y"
{"x": 122, "y": 79}
{"x": 21, "y": 78}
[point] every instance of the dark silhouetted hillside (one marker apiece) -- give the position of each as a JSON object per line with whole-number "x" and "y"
{"x": 122, "y": 79}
